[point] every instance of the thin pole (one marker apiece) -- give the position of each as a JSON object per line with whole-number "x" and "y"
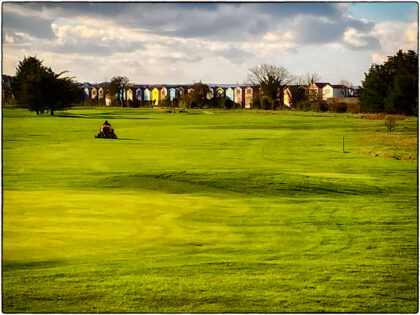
{"x": 343, "y": 144}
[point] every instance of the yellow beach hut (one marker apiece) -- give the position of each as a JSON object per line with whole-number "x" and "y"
{"x": 155, "y": 96}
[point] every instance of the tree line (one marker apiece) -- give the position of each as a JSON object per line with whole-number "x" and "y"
{"x": 388, "y": 88}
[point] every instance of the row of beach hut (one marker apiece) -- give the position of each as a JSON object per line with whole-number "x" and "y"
{"x": 242, "y": 95}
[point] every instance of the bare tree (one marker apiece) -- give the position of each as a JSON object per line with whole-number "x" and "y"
{"x": 117, "y": 86}
{"x": 298, "y": 80}
{"x": 347, "y": 85}
{"x": 272, "y": 80}
{"x": 309, "y": 78}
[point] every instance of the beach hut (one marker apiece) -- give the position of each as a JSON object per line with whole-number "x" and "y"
{"x": 129, "y": 94}
{"x": 238, "y": 95}
{"x": 229, "y": 93}
{"x": 249, "y": 96}
{"x": 172, "y": 94}
{"x": 94, "y": 93}
{"x": 108, "y": 99}
{"x": 146, "y": 94}
{"x": 163, "y": 93}
{"x": 155, "y": 96}
{"x": 100, "y": 93}
{"x": 138, "y": 94}
{"x": 86, "y": 93}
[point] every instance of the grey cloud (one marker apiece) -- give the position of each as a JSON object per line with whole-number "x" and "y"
{"x": 93, "y": 48}
{"x": 312, "y": 31}
{"x": 18, "y": 39}
{"x": 190, "y": 58}
{"x": 67, "y": 9}
{"x": 196, "y": 22}
{"x": 360, "y": 25}
{"x": 285, "y": 10}
{"x": 236, "y": 55}
{"x": 316, "y": 30}
{"x": 233, "y": 21}
{"x": 370, "y": 43}
{"x": 32, "y": 25}
{"x": 313, "y": 23}
{"x": 259, "y": 27}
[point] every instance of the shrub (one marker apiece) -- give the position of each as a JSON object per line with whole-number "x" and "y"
{"x": 379, "y": 116}
{"x": 316, "y": 106}
{"x": 376, "y": 116}
{"x": 337, "y": 107}
{"x": 304, "y": 105}
{"x": 353, "y": 108}
{"x": 322, "y": 106}
{"x": 257, "y": 103}
{"x": 390, "y": 122}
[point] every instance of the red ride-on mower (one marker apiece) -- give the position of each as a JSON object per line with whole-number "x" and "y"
{"x": 106, "y": 132}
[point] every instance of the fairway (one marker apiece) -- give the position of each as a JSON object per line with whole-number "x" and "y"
{"x": 208, "y": 211}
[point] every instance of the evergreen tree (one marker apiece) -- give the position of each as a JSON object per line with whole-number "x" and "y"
{"x": 28, "y": 84}
{"x": 393, "y": 86}
{"x": 38, "y": 88}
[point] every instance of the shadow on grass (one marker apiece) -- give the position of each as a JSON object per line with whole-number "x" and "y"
{"x": 251, "y": 184}
{"x": 124, "y": 139}
{"x": 130, "y": 139}
{"x": 98, "y": 116}
{"x": 13, "y": 265}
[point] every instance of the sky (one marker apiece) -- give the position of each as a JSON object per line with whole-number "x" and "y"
{"x": 176, "y": 43}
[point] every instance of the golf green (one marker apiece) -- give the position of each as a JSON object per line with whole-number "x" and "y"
{"x": 208, "y": 211}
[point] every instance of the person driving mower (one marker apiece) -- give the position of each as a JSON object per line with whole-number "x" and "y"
{"x": 106, "y": 131}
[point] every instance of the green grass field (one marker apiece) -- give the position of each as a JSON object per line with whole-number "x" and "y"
{"x": 208, "y": 211}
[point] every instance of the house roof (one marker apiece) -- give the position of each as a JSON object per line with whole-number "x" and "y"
{"x": 321, "y": 85}
{"x": 338, "y": 86}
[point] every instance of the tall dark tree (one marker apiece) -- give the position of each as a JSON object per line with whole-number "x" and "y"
{"x": 38, "y": 88}
{"x": 393, "y": 86}
{"x": 199, "y": 94}
{"x": 63, "y": 92}
{"x": 296, "y": 94}
{"x": 272, "y": 80}
{"x": 116, "y": 88}
{"x": 403, "y": 71}
{"x": 6, "y": 93}
{"x": 29, "y": 83}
